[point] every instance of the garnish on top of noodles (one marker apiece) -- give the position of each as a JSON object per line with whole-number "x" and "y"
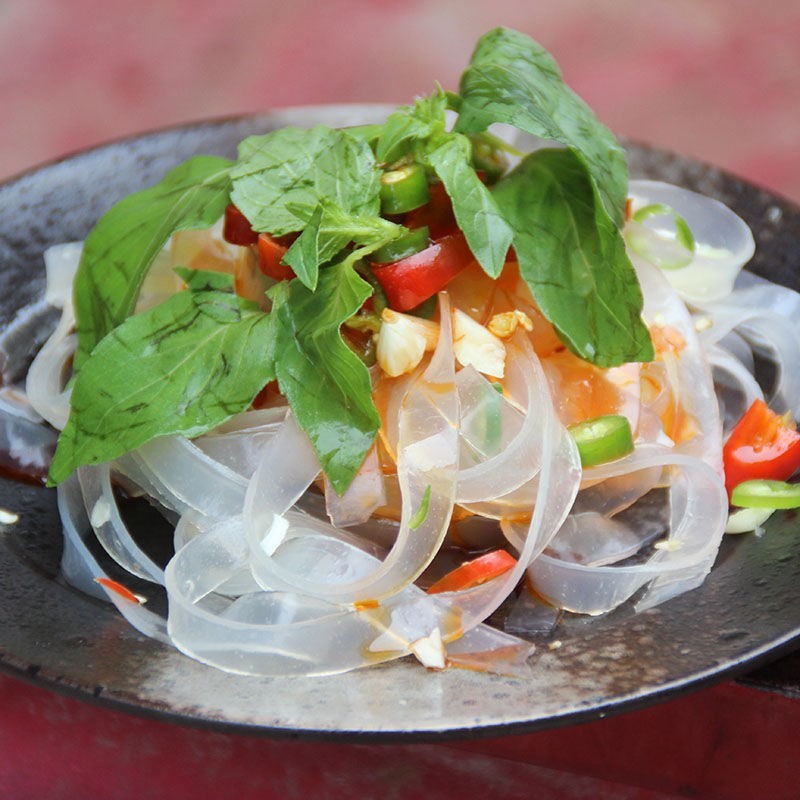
{"x": 335, "y": 226}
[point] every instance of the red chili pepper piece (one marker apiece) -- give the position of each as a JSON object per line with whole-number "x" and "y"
{"x": 119, "y": 589}
{"x": 270, "y": 254}
{"x": 412, "y": 280}
{"x": 475, "y": 572}
{"x": 437, "y": 213}
{"x": 236, "y": 228}
{"x": 762, "y": 445}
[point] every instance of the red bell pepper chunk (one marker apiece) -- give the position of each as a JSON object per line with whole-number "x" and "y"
{"x": 270, "y": 255}
{"x": 412, "y": 280}
{"x": 236, "y": 228}
{"x": 475, "y": 572}
{"x": 762, "y": 445}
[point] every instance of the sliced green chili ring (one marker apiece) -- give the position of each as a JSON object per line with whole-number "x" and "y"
{"x": 421, "y": 514}
{"x": 602, "y": 439}
{"x": 683, "y": 233}
{"x": 763, "y": 493}
{"x": 684, "y": 238}
{"x": 403, "y": 246}
{"x": 404, "y": 189}
{"x": 488, "y": 157}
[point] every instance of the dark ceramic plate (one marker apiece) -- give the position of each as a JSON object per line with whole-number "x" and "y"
{"x": 745, "y": 615}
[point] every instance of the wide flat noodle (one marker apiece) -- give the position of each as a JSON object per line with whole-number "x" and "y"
{"x": 698, "y": 510}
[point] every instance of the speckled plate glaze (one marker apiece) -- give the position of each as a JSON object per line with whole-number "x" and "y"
{"x": 745, "y": 615}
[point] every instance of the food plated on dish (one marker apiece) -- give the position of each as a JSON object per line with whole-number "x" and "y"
{"x": 386, "y": 378}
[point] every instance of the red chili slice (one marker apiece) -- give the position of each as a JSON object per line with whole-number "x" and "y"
{"x": 270, "y": 254}
{"x": 236, "y": 228}
{"x": 119, "y": 589}
{"x": 436, "y": 214}
{"x": 762, "y": 445}
{"x": 475, "y": 572}
{"x": 412, "y": 280}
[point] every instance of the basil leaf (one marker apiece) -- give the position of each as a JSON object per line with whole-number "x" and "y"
{"x": 328, "y": 231}
{"x": 513, "y": 79}
{"x": 281, "y": 172}
{"x": 487, "y": 233}
{"x": 412, "y": 126}
{"x": 326, "y": 384}
{"x": 400, "y": 131}
{"x": 198, "y": 280}
{"x": 184, "y": 366}
{"x": 573, "y": 258}
{"x": 126, "y": 239}
{"x": 309, "y": 250}
{"x": 369, "y": 133}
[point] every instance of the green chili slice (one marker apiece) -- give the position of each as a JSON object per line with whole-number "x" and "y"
{"x": 602, "y": 439}
{"x": 404, "y": 189}
{"x": 421, "y": 514}
{"x": 488, "y": 156}
{"x": 763, "y": 493}
{"x": 406, "y": 245}
{"x": 663, "y": 251}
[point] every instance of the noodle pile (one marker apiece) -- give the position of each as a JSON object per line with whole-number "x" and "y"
{"x": 269, "y": 577}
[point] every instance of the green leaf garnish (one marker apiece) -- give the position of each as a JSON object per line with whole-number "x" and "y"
{"x": 512, "y": 79}
{"x": 201, "y": 356}
{"x": 326, "y": 384}
{"x": 200, "y": 280}
{"x": 290, "y": 169}
{"x": 487, "y": 233}
{"x": 328, "y": 231}
{"x": 184, "y": 366}
{"x": 573, "y": 257}
{"x": 122, "y": 245}
{"x": 408, "y": 130}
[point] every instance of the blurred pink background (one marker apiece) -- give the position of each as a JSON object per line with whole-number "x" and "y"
{"x": 718, "y": 80}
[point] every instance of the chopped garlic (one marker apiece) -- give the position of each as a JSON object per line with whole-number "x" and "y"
{"x": 504, "y": 325}
{"x": 430, "y": 650}
{"x": 476, "y": 346}
{"x": 403, "y": 341}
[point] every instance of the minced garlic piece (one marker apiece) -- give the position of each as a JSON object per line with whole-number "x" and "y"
{"x": 403, "y": 341}
{"x": 430, "y": 650}
{"x": 505, "y": 325}
{"x": 476, "y": 346}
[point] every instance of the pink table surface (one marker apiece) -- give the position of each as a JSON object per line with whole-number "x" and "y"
{"x": 717, "y": 80}
{"x": 730, "y": 742}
